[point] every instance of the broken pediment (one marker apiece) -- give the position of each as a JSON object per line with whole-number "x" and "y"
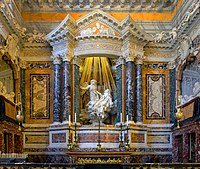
{"x": 97, "y": 24}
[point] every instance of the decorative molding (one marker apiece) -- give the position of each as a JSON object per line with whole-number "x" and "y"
{"x": 127, "y": 5}
{"x": 35, "y": 37}
{"x": 100, "y": 46}
{"x": 39, "y": 65}
{"x": 156, "y": 65}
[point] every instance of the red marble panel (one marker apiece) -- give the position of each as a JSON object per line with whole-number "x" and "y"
{"x": 137, "y": 138}
{"x": 59, "y": 138}
{"x": 92, "y": 138}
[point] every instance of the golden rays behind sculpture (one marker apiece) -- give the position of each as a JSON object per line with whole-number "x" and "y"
{"x": 98, "y": 68}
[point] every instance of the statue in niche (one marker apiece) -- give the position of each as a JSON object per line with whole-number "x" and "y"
{"x": 99, "y": 103}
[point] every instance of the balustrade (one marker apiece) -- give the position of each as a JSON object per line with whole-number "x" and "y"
{"x": 102, "y": 166}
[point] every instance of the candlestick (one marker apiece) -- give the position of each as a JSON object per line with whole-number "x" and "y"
{"x": 75, "y": 117}
{"x": 127, "y": 119}
{"x": 69, "y": 119}
{"x": 121, "y": 117}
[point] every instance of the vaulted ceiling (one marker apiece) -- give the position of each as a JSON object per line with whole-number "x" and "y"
{"x": 151, "y": 15}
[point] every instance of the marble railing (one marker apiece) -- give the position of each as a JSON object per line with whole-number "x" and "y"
{"x": 102, "y": 166}
{"x": 13, "y": 157}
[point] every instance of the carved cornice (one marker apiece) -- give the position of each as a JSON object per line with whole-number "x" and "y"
{"x": 130, "y": 28}
{"x": 99, "y": 46}
{"x": 12, "y": 16}
{"x": 127, "y": 5}
{"x": 65, "y": 30}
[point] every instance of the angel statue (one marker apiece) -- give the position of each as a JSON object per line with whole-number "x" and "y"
{"x": 94, "y": 93}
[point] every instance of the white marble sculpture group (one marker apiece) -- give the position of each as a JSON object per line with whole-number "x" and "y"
{"x": 99, "y": 103}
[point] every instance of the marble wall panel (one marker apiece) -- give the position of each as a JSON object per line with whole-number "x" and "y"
{"x": 40, "y": 96}
{"x": 36, "y": 139}
{"x": 156, "y": 85}
{"x": 59, "y": 138}
{"x": 158, "y": 139}
{"x": 39, "y": 84}
{"x": 137, "y": 138}
{"x": 93, "y": 137}
{"x": 156, "y": 96}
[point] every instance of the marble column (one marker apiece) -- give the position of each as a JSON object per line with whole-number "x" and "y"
{"x": 57, "y": 89}
{"x": 23, "y": 90}
{"x": 76, "y": 87}
{"x": 172, "y": 94}
{"x": 119, "y": 65}
{"x": 66, "y": 85}
{"x": 139, "y": 92}
{"x": 130, "y": 90}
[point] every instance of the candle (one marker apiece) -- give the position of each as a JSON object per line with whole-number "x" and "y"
{"x": 75, "y": 117}
{"x": 69, "y": 119}
{"x": 127, "y": 119}
{"x": 121, "y": 117}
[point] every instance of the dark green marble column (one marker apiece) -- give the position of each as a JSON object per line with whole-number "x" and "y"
{"x": 119, "y": 91}
{"x": 139, "y": 93}
{"x": 57, "y": 90}
{"x": 76, "y": 86}
{"x": 23, "y": 90}
{"x": 66, "y": 93}
{"x": 172, "y": 94}
{"x": 130, "y": 90}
